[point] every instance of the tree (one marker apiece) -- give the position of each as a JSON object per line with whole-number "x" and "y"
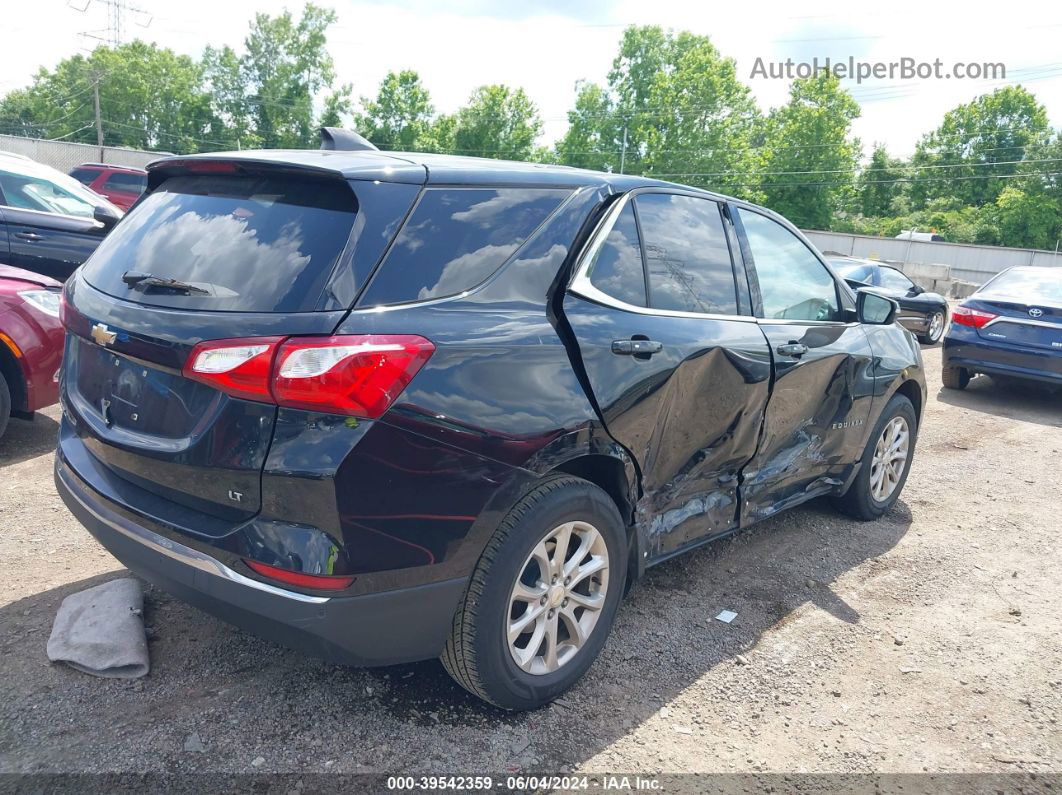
{"x": 701, "y": 128}
{"x": 400, "y": 117}
{"x": 971, "y": 156}
{"x": 150, "y": 98}
{"x": 1027, "y": 220}
{"x": 877, "y": 185}
{"x": 285, "y": 65}
{"x": 808, "y": 161}
{"x": 497, "y": 122}
{"x": 673, "y": 104}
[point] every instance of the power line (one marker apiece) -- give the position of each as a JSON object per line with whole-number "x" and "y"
{"x": 862, "y": 171}
{"x": 882, "y": 181}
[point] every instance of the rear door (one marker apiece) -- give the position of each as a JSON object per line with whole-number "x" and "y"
{"x": 267, "y": 255}
{"x": 678, "y": 367}
{"x": 820, "y": 400}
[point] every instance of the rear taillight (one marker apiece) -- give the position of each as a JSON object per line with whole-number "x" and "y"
{"x": 360, "y": 375}
{"x": 241, "y": 367}
{"x": 318, "y": 582}
{"x": 974, "y": 318}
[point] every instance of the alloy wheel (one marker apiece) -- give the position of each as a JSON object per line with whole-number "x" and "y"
{"x": 936, "y": 326}
{"x": 557, "y": 598}
{"x": 890, "y": 457}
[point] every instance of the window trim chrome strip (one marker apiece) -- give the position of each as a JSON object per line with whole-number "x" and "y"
{"x": 581, "y": 285}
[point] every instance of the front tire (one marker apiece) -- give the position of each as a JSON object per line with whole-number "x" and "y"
{"x": 542, "y": 599}
{"x": 5, "y": 404}
{"x": 955, "y": 377}
{"x": 884, "y": 464}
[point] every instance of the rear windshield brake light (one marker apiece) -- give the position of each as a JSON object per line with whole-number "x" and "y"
{"x": 358, "y": 375}
{"x": 974, "y": 318}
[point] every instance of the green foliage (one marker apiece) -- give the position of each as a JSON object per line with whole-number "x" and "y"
{"x": 877, "y": 184}
{"x": 973, "y": 152}
{"x": 150, "y": 97}
{"x": 810, "y": 133}
{"x": 400, "y": 116}
{"x": 497, "y": 122}
{"x": 673, "y": 106}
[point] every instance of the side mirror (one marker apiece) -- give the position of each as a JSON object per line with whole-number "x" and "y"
{"x": 916, "y": 290}
{"x": 106, "y": 216}
{"x": 875, "y": 309}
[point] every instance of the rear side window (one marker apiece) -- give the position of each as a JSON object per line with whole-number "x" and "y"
{"x": 687, "y": 257}
{"x": 617, "y": 267}
{"x": 457, "y": 237}
{"x": 133, "y": 183}
{"x": 253, "y": 244}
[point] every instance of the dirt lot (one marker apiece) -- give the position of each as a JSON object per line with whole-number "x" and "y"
{"x": 928, "y": 640}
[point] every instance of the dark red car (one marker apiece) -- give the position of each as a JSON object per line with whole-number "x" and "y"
{"x": 31, "y": 343}
{"x": 119, "y": 184}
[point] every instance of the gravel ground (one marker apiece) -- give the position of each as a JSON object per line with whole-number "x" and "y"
{"x": 925, "y": 641}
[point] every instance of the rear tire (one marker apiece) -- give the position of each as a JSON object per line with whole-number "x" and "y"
{"x": 5, "y": 404}
{"x": 955, "y": 377}
{"x": 481, "y": 654}
{"x": 935, "y": 329}
{"x": 863, "y": 500}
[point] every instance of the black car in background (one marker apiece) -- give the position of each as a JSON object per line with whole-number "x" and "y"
{"x": 1010, "y": 328}
{"x": 386, "y": 407}
{"x": 924, "y": 314}
{"x": 49, "y": 222}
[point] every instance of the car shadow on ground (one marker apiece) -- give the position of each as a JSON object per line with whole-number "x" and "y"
{"x": 27, "y": 439}
{"x": 1027, "y": 401}
{"x": 247, "y": 698}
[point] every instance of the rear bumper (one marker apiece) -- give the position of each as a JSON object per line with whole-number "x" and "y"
{"x": 1001, "y": 359}
{"x": 402, "y": 625}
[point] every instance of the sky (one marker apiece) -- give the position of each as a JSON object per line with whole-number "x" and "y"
{"x": 549, "y": 45}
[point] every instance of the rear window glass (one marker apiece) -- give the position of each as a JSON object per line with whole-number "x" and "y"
{"x": 456, "y": 238}
{"x": 257, "y": 244}
{"x": 1027, "y": 285}
{"x": 84, "y": 175}
{"x": 134, "y": 183}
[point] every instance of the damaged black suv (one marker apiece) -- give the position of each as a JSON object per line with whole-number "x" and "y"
{"x": 386, "y": 407}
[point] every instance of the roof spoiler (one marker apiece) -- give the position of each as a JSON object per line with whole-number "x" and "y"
{"x": 345, "y": 140}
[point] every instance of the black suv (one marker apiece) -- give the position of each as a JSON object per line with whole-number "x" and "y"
{"x": 386, "y": 407}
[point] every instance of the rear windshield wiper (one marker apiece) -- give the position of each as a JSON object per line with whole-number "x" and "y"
{"x": 136, "y": 279}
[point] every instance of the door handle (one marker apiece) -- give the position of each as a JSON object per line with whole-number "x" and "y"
{"x": 796, "y": 349}
{"x": 636, "y": 347}
{"x": 31, "y": 236}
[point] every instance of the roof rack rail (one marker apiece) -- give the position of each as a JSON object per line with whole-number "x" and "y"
{"x": 345, "y": 140}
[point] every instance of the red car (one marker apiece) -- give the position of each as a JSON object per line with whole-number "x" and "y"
{"x": 31, "y": 343}
{"x": 119, "y": 184}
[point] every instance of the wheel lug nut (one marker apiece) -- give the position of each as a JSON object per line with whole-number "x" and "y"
{"x": 550, "y": 613}
{"x": 567, "y": 580}
{"x": 542, "y": 601}
{"x": 564, "y": 603}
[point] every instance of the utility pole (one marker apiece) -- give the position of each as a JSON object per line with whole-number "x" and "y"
{"x": 623, "y": 152}
{"x": 99, "y": 121}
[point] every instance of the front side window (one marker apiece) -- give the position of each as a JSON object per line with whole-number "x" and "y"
{"x": 456, "y": 238}
{"x": 35, "y": 193}
{"x": 686, "y": 254}
{"x": 895, "y": 280}
{"x": 794, "y": 284}
{"x": 616, "y": 269}
{"x": 84, "y": 175}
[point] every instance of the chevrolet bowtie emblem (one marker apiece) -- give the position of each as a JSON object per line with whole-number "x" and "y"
{"x": 103, "y": 335}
